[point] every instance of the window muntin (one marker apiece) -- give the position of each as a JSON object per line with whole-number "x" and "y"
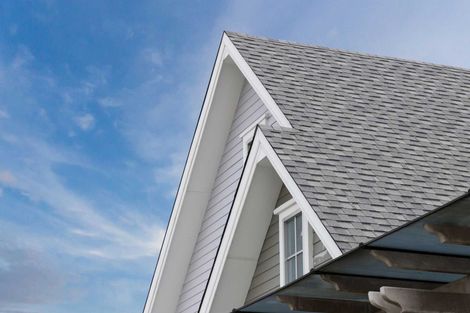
{"x": 295, "y": 242}
{"x": 293, "y": 257}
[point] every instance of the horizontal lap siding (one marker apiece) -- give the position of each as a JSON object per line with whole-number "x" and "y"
{"x": 320, "y": 254}
{"x": 250, "y": 108}
{"x": 267, "y": 275}
{"x": 284, "y": 196}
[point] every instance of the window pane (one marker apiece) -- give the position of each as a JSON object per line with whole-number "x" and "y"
{"x": 293, "y": 248}
{"x": 290, "y": 270}
{"x": 289, "y": 230}
{"x": 300, "y": 266}
{"x": 298, "y": 231}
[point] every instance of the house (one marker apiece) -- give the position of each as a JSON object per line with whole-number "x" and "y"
{"x": 321, "y": 180}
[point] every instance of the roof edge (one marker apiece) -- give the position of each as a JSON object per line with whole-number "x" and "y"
{"x": 349, "y": 52}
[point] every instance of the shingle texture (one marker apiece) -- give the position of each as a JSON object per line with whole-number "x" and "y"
{"x": 375, "y": 141}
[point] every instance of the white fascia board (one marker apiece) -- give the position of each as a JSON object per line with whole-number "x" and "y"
{"x": 255, "y": 82}
{"x": 163, "y": 255}
{"x": 299, "y": 197}
{"x": 247, "y": 135}
{"x": 259, "y": 150}
{"x": 226, "y": 49}
{"x": 222, "y": 255}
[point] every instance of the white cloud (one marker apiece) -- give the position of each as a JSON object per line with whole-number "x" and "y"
{"x": 4, "y": 114}
{"x": 7, "y": 178}
{"x": 85, "y": 122}
{"x": 28, "y": 276}
{"x": 153, "y": 56}
{"x": 109, "y": 102}
{"x": 22, "y": 58}
{"x": 93, "y": 233}
{"x": 29, "y": 166}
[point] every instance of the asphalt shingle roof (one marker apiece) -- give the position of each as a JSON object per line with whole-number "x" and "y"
{"x": 375, "y": 142}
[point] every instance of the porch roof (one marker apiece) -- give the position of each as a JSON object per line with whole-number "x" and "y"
{"x": 428, "y": 252}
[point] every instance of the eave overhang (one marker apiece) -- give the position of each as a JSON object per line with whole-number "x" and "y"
{"x": 228, "y": 74}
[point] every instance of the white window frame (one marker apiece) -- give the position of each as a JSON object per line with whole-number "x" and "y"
{"x": 286, "y": 211}
{"x": 248, "y": 134}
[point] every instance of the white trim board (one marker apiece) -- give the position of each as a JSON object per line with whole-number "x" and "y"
{"x": 247, "y": 135}
{"x": 261, "y": 151}
{"x": 184, "y": 223}
{"x": 255, "y": 82}
{"x": 286, "y": 211}
{"x": 299, "y": 197}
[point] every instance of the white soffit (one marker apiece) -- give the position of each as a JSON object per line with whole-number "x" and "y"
{"x": 255, "y": 82}
{"x": 261, "y": 150}
{"x": 226, "y": 49}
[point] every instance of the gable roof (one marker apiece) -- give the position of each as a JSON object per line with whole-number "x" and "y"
{"x": 375, "y": 141}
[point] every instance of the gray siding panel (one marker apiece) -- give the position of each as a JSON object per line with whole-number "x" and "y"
{"x": 320, "y": 254}
{"x": 266, "y": 277}
{"x": 284, "y": 196}
{"x": 267, "y": 274}
{"x": 250, "y": 108}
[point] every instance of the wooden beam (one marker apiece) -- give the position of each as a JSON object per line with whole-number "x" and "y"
{"x": 364, "y": 284}
{"x": 380, "y": 302}
{"x": 423, "y": 262}
{"x": 320, "y": 305}
{"x": 426, "y": 301}
{"x": 450, "y": 233}
{"x": 397, "y": 300}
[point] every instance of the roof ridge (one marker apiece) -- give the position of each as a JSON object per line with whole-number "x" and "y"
{"x": 356, "y": 53}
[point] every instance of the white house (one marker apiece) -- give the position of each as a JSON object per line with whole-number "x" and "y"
{"x": 321, "y": 180}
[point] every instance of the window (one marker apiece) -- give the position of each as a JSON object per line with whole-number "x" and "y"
{"x": 295, "y": 242}
{"x": 293, "y": 257}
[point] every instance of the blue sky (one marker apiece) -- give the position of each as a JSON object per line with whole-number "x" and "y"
{"x": 98, "y": 103}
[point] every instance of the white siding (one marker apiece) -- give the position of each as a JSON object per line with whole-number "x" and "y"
{"x": 250, "y": 108}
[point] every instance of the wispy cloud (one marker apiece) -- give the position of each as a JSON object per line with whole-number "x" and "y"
{"x": 7, "y": 178}
{"x": 153, "y": 56}
{"x": 28, "y": 276}
{"x": 85, "y": 121}
{"x": 85, "y": 211}
{"x": 108, "y": 102}
{"x": 4, "y": 114}
{"x": 41, "y": 184}
{"x": 22, "y": 57}
{"x": 37, "y": 263}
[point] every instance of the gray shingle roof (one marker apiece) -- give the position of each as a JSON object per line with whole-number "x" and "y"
{"x": 376, "y": 141}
